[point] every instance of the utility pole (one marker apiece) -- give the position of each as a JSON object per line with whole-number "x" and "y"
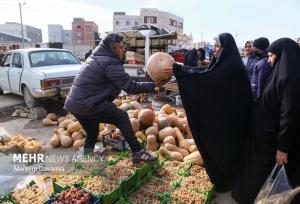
{"x": 22, "y": 31}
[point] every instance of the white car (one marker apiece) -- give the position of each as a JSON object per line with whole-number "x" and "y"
{"x": 38, "y": 73}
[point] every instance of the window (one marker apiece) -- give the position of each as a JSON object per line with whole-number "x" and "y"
{"x": 172, "y": 22}
{"x": 128, "y": 23}
{"x": 78, "y": 26}
{"x": 78, "y": 34}
{"x": 150, "y": 20}
{"x": 6, "y": 62}
{"x": 180, "y": 25}
{"x": 16, "y": 60}
{"x": 117, "y": 22}
{"x": 48, "y": 58}
{"x": 136, "y": 23}
{"x": 78, "y": 41}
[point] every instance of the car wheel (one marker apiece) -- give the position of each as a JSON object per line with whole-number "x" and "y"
{"x": 30, "y": 101}
{"x": 1, "y": 91}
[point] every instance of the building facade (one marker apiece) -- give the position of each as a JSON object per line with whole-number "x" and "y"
{"x": 55, "y": 33}
{"x": 32, "y": 33}
{"x": 84, "y": 32}
{"x": 67, "y": 36}
{"x": 169, "y": 21}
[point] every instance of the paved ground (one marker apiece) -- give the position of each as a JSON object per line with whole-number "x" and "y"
{"x": 9, "y": 99}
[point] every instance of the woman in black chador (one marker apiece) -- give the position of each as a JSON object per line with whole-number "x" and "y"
{"x": 275, "y": 133}
{"x": 218, "y": 101}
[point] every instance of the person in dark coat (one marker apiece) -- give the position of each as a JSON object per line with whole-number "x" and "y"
{"x": 88, "y": 54}
{"x": 99, "y": 82}
{"x": 249, "y": 59}
{"x": 275, "y": 133}
{"x": 218, "y": 101}
{"x": 192, "y": 57}
{"x": 261, "y": 69}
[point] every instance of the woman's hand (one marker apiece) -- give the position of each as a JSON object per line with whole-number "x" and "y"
{"x": 168, "y": 71}
{"x": 281, "y": 157}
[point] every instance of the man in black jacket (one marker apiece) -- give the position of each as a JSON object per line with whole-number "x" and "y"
{"x": 99, "y": 82}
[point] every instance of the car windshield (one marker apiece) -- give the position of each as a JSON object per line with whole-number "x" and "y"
{"x": 49, "y": 58}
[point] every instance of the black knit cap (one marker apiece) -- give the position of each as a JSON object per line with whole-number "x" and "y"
{"x": 261, "y": 43}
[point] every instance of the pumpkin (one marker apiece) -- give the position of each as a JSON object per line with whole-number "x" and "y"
{"x": 156, "y": 63}
{"x": 75, "y": 126}
{"x": 167, "y": 108}
{"x": 135, "y": 124}
{"x": 54, "y": 141}
{"x": 125, "y": 106}
{"x": 152, "y": 144}
{"x": 49, "y": 122}
{"x": 135, "y": 105}
{"x": 163, "y": 122}
{"x": 135, "y": 113}
{"x": 117, "y": 102}
{"x": 167, "y": 131}
{"x": 65, "y": 123}
{"x": 146, "y": 117}
{"x": 151, "y": 131}
{"x": 193, "y": 148}
{"x": 194, "y": 157}
{"x": 174, "y": 148}
{"x": 61, "y": 119}
{"x": 173, "y": 155}
{"x": 77, "y": 135}
{"x": 52, "y": 116}
{"x": 170, "y": 140}
{"x": 79, "y": 143}
{"x": 181, "y": 141}
{"x": 140, "y": 135}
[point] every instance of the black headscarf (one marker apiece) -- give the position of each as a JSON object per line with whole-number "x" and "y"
{"x": 218, "y": 104}
{"x": 276, "y": 124}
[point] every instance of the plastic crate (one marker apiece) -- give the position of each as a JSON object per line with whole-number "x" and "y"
{"x": 131, "y": 184}
{"x": 108, "y": 198}
{"x": 119, "y": 145}
{"x": 95, "y": 199}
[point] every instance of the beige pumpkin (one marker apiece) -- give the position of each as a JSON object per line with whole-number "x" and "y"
{"x": 156, "y": 63}
{"x": 146, "y": 117}
{"x": 135, "y": 124}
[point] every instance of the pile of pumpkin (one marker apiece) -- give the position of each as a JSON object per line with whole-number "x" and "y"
{"x": 166, "y": 130}
{"x": 69, "y": 132}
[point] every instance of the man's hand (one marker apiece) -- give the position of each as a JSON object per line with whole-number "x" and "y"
{"x": 281, "y": 157}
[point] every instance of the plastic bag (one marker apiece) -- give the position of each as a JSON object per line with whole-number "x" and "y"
{"x": 276, "y": 189}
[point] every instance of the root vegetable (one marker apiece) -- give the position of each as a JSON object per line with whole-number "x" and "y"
{"x": 173, "y": 155}
{"x": 152, "y": 144}
{"x": 170, "y": 140}
{"x": 194, "y": 157}
{"x": 49, "y": 122}
{"x": 181, "y": 141}
{"x": 52, "y": 116}
{"x": 163, "y": 122}
{"x": 174, "y": 148}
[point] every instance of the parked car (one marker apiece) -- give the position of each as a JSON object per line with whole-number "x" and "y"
{"x": 38, "y": 73}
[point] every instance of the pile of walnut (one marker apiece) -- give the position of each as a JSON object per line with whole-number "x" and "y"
{"x": 166, "y": 130}
{"x": 20, "y": 144}
{"x": 69, "y": 133}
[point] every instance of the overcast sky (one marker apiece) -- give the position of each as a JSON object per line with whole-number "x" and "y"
{"x": 204, "y": 19}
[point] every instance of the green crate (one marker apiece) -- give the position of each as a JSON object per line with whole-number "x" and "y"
{"x": 131, "y": 184}
{"x": 7, "y": 197}
{"x": 209, "y": 195}
{"x": 108, "y": 198}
